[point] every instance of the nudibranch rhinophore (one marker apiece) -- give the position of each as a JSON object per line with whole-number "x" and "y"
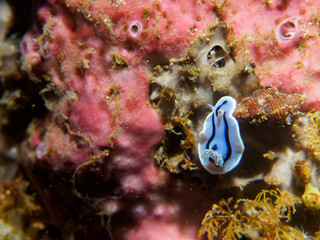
{"x": 220, "y": 145}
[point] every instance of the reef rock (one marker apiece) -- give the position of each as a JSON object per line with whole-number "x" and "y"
{"x": 97, "y": 140}
{"x": 281, "y": 38}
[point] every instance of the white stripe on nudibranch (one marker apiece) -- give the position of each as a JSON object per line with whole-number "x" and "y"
{"x": 220, "y": 145}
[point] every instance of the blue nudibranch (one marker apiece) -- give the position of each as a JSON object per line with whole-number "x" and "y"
{"x": 220, "y": 145}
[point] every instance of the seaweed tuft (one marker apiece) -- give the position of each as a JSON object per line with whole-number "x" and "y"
{"x": 266, "y": 217}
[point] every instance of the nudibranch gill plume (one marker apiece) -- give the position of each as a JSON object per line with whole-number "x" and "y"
{"x": 220, "y": 145}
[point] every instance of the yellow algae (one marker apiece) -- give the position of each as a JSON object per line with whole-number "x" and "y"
{"x": 85, "y": 63}
{"x": 265, "y": 217}
{"x": 116, "y": 3}
{"x": 47, "y": 34}
{"x": 188, "y": 140}
{"x": 118, "y": 61}
{"x": 146, "y": 14}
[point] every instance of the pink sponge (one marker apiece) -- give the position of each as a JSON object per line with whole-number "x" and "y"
{"x": 93, "y": 57}
{"x": 152, "y": 26}
{"x": 281, "y": 37}
{"x": 94, "y": 66}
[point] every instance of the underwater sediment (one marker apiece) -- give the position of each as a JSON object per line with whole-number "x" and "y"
{"x": 161, "y": 120}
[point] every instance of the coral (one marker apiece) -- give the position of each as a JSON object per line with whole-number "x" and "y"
{"x": 9, "y": 54}
{"x": 282, "y": 39}
{"x": 306, "y": 133}
{"x": 9, "y": 50}
{"x": 17, "y": 102}
{"x": 183, "y": 89}
{"x": 9, "y": 45}
{"x": 282, "y": 171}
{"x": 287, "y": 32}
{"x": 96, "y": 142}
{"x": 21, "y": 217}
{"x": 164, "y": 27}
{"x": 311, "y": 197}
{"x": 269, "y": 106}
{"x": 303, "y": 170}
{"x": 98, "y": 83}
{"x": 6, "y": 18}
{"x": 266, "y": 217}
{"x": 126, "y": 87}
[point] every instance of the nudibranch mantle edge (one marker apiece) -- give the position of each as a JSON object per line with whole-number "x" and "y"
{"x": 220, "y": 145}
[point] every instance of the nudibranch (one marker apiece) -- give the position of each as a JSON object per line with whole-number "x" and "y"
{"x": 220, "y": 145}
